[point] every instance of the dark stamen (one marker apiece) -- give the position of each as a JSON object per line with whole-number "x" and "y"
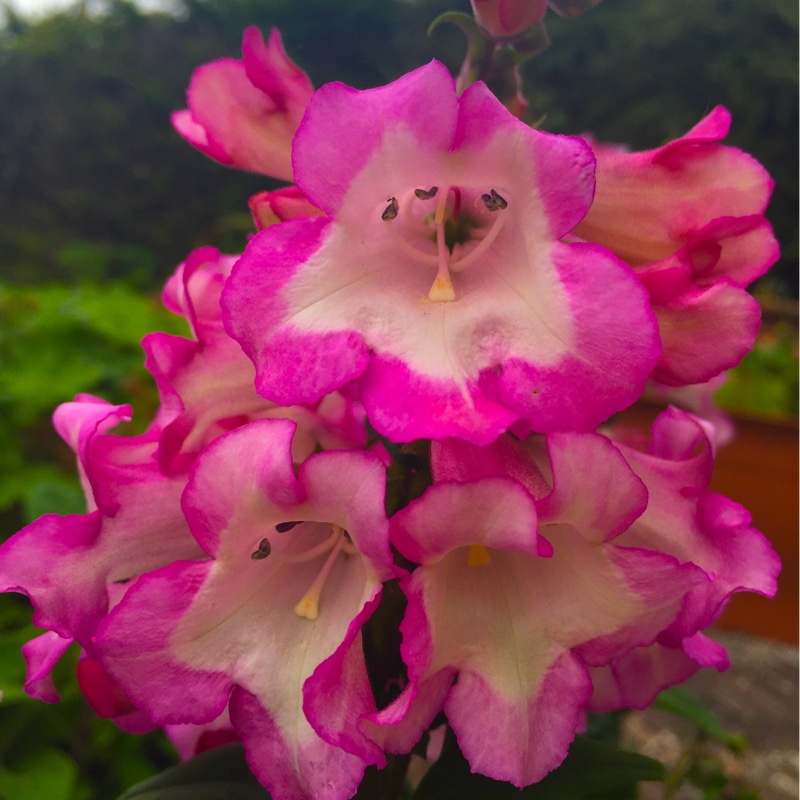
{"x": 264, "y": 549}
{"x": 421, "y": 194}
{"x": 390, "y": 212}
{"x": 282, "y": 527}
{"x": 494, "y": 202}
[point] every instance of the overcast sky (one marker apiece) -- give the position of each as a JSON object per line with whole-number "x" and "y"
{"x": 35, "y": 8}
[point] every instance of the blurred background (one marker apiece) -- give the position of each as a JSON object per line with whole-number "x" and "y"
{"x": 100, "y": 200}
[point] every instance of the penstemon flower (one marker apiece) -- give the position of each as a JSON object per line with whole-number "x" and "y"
{"x": 69, "y": 565}
{"x": 440, "y": 270}
{"x": 244, "y": 113}
{"x": 508, "y": 18}
{"x": 296, "y": 565}
{"x": 206, "y": 384}
{"x": 689, "y": 218}
{"x": 561, "y": 575}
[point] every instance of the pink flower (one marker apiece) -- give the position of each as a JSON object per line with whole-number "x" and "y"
{"x": 515, "y": 617}
{"x": 572, "y": 8}
{"x": 604, "y": 612}
{"x": 508, "y": 18}
{"x": 270, "y": 625}
{"x": 70, "y": 566}
{"x": 688, "y": 217}
{"x": 206, "y": 384}
{"x": 245, "y": 113}
{"x": 505, "y": 19}
{"x": 439, "y": 282}
{"x": 270, "y": 208}
{"x": 684, "y": 519}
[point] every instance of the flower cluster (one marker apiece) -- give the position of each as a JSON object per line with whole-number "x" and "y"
{"x": 455, "y": 300}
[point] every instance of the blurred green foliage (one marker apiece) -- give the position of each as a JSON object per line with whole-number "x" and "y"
{"x": 765, "y": 383}
{"x": 57, "y": 341}
{"x": 66, "y": 753}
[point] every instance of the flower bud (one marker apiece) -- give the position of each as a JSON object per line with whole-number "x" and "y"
{"x": 507, "y": 18}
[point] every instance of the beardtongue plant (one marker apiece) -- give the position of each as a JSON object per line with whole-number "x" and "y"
{"x": 382, "y": 496}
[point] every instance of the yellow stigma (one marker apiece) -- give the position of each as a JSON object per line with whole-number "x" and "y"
{"x": 442, "y": 290}
{"x": 478, "y": 556}
{"x": 308, "y": 607}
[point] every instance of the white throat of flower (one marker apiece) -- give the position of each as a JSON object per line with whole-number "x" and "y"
{"x": 451, "y": 237}
{"x": 336, "y": 543}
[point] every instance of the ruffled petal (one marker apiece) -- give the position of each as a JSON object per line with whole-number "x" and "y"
{"x": 484, "y": 322}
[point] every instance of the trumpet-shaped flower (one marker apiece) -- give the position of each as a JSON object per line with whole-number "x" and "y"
{"x": 558, "y": 575}
{"x": 694, "y": 525}
{"x": 508, "y": 18}
{"x": 439, "y": 281}
{"x": 206, "y": 384}
{"x": 515, "y": 619}
{"x": 688, "y": 217}
{"x": 272, "y": 622}
{"x": 73, "y": 568}
{"x": 67, "y": 565}
{"x": 244, "y": 113}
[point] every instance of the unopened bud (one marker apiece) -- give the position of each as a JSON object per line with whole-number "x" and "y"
{"x": 504, "y": 19}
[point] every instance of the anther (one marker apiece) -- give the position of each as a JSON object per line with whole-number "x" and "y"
{"x": 421, "y": 194}
{"x": 390, "y": 212}
{"x": 493, "y": 201}
{"x": 282, "y": 527}
{"x": 264, "y": 549}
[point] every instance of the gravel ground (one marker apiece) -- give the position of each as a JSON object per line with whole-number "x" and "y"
{"x": 756, "y": 697}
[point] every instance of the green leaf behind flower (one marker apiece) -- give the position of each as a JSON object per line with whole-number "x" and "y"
{"x": 592, "y": 771}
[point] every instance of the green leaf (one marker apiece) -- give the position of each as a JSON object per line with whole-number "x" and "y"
{"x": 683, "y": 704}
{"x": 219, "y": 774}
{"x": 47, "y": 775}
{"x": 12, "y": 665}
{"x": 54, "y": 496}
{"x": 591, "y": 771}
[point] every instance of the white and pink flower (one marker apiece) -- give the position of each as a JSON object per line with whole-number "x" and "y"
{"x": 438, "y": 282}
{"x": 269, "y": 626}
{"x": 206, "y": 384}
{"x": 689, "y": 218}
{"x": 245, "y": 113}
{"x": 560, "y": 575}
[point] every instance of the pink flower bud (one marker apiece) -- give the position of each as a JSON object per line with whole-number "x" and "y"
{"x": 244, "y": 113}
{"x": 506, "y": 18}
{"x": 268, "y": 208}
